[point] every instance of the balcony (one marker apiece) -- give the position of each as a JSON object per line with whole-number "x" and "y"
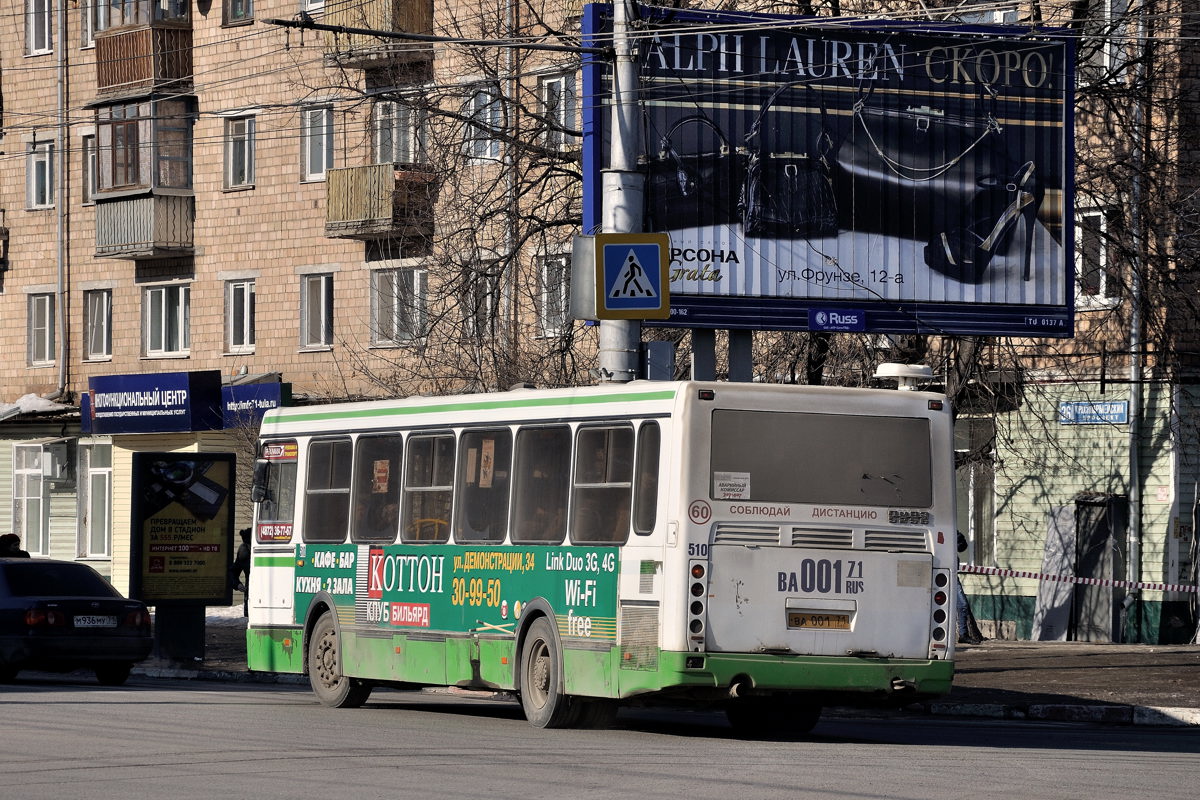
{"x": 361, "y": 50}
{"x": 132, "y": 61}
{"x": 146, "y": 226}
{"x": 380, "y": 200}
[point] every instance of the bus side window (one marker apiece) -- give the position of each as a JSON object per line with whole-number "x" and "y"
{"x": 377, "y": 488}
{"x": 541, "y": 485}
{"x": 645, "y": 493}
{"x": 603, "y": 485}
{"x": 327, "y": 491}
{"x": 428, "y": 488}
{"x": 484, "y": 464}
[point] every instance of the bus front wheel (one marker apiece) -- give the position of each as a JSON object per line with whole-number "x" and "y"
{"x": 542, "y": 697}
{"x": 325, "y": 675}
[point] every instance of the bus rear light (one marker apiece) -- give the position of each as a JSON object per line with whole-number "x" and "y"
{"x": 939, "y": 634}
{"x": 706, "y": 394}
{"x": 939, "y": 616}
{"x": 939, "y": 598}
{"x": 940, "y": 580}
{"x": 696, "y": 608}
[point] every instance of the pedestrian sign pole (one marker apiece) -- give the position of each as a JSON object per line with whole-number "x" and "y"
{"x": 631, "y": 276}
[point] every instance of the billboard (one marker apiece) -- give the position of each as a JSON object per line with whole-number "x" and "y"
{"x": 182, "y": 527}
{"x": 841, "y": 174}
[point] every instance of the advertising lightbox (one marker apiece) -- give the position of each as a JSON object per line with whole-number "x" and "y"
{"x": 842, "y": 174}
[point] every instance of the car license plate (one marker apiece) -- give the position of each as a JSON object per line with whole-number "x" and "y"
{"x": 818, "y": 620}
{"x": 95, "y": 621}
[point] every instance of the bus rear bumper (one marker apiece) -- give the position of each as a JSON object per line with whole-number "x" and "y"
{"x": 829, "y": 680}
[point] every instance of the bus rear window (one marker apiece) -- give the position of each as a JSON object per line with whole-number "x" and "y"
{"x": 829, "y": 459}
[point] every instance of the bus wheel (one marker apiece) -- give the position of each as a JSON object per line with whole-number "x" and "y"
{"x": 542, "y": 699}
{"x": 330, "y": 686}
{"x": 771, "y": 717}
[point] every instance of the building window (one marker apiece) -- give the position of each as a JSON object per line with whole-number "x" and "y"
{"x": 1099, "y": 47}
{"x": 316, "y": 135}
{"x": 237, "y": 11}
{"x": 557, "y": 97}
{"x": 1099, "y": 285}
{"x": 239, "y": 316}
{"x": 29, "y": 502}
{"x": 312, "y": 5}
{"x": 40, "y": 175}
{"x": 316, "y": 311}
{"x": 398, "y": 133}
{"x": 41, "y": 329}
{"x": 95, "y": 501}
{"x": 480, "y": 302}
{"x": 39, "y": 27}
{"x": 484, "y": 125}
{"x": 91, "y": 176}
{"x": 399, "y": 299}
{"x": 167, "y": 320}
{"x": 97, "y": 323}
{"x": 239, "y": 152}
{"x": 147, "y": 144}
{"x": 975, "y": 478}
{"x": 553, "y": 294}
{"x": 94, "y": 19}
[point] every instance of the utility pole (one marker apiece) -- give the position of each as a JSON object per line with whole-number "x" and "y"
{"x": 624, "y": 188}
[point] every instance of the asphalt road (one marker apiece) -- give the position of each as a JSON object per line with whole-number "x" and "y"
{"x": 70, "y": 738}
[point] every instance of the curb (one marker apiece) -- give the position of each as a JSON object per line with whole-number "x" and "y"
{"x": 1156, "y": 716}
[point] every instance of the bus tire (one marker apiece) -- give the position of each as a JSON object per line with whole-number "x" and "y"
{"x": 772, "y": 717}
{"x": 542, "y": 697}
{"x": 325, "y": 676}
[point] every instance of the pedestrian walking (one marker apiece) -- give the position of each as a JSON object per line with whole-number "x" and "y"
{"x": 241, "y": 567}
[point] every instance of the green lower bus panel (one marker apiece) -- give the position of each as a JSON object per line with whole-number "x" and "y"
{"x": 852, "y": 676}
{"x": 275, "y": 650}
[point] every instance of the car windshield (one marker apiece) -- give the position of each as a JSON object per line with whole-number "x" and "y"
{"x": 34, "y": 579}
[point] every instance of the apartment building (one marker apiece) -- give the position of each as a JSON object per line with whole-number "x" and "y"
{"x": 204, "y": 208}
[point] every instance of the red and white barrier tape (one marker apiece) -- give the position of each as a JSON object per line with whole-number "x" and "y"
{"x": 1016, "y": 573}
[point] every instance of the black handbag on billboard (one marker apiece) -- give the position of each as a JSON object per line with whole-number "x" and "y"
{"x": 788, "y": 194}
{"x": 947, "y": 180}
{"x": 694, "y": 177}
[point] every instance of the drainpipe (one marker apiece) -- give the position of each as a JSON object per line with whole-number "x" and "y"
{"x": 1134, "y": 546}
{"x": 60, "y": 206}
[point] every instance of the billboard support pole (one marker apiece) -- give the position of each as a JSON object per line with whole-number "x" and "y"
{"x": 624, "y": 187}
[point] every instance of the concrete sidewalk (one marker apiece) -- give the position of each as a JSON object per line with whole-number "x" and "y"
{"x": 1057, "y": 681}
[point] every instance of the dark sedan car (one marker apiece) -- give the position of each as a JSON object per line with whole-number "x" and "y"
{"x": 61, "y": 616}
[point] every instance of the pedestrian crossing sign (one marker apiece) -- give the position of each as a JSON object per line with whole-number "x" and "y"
{"x": 631, "y": 276}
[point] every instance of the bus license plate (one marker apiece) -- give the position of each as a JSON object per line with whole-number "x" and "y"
{"x": 818, "y": 620}
{"x": 95, "y": 621}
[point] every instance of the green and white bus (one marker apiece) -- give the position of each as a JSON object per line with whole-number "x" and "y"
{"x": 773, "y": 549}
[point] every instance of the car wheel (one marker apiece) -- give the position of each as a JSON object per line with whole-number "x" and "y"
{"x": 113, "y": 674}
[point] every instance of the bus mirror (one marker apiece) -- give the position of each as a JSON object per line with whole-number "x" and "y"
{"x": 258, "y": 489}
